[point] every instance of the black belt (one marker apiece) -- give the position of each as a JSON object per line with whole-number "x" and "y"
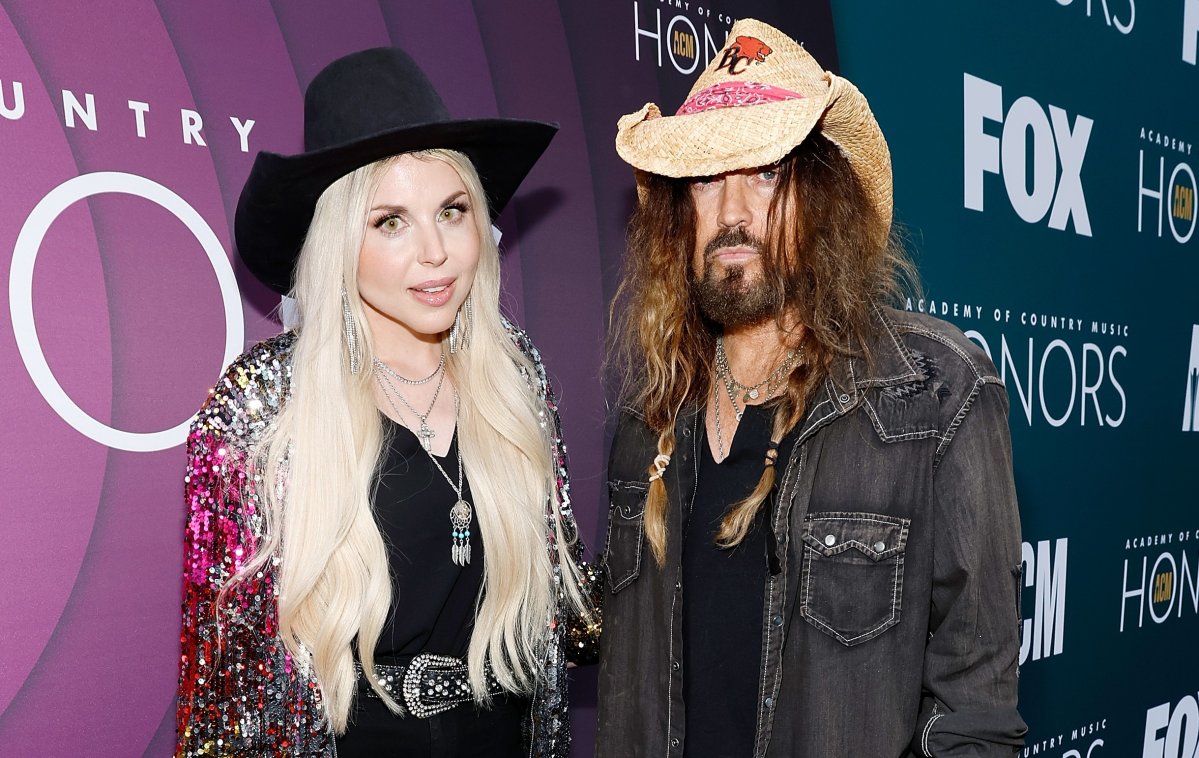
{"x": 429, "y": 684}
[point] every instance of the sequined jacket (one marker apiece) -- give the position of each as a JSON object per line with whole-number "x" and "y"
{"x": 890, "y": 625}
{"x": 240, "y": 691}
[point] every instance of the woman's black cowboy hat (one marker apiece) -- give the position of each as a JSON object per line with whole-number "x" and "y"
{"x": 359, "y": 109}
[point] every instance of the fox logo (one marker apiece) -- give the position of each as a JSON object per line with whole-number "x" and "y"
{"x": 743, "y": 52}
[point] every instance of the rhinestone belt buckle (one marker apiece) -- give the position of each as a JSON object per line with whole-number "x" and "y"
{"x": 434, "y": 684}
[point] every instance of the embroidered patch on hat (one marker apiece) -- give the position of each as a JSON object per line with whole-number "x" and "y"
{"x": 747, "y": 50}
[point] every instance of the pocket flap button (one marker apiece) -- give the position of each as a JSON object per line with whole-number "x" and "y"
{"x": 880, "y": 547}
{"x": 830, "y": 540}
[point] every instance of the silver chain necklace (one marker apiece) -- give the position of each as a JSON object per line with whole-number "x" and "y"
{"x": 753, "y": 392}
{"x": 461, "y": 513}
{"x": 425, "y": 433}
{"x": 405, "y": 380}
{"x": 731, "y": 386}
{"x": 736, "y": 412}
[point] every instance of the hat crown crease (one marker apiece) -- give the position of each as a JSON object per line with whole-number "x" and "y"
{"x": 366, "y": 94}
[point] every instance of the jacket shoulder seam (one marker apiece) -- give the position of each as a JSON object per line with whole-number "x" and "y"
{"x": 949, "y": 343}
{"x": 951, "y": 430}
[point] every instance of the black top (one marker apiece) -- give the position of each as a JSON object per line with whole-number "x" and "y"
{"x": 435, "y": 597}
{"x": 723, "y": 598}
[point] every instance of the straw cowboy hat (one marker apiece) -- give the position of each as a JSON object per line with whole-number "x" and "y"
{"x": 759, "y": 98}
{"x": 359, "y": 109}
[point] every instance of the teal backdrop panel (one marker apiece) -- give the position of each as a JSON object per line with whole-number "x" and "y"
{"x": 1045, "y": 173}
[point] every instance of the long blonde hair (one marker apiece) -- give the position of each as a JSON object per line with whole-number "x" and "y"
{"x": 325, "y": 449}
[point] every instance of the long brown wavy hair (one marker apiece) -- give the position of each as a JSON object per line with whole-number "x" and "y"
{"x": 826, "y": 251}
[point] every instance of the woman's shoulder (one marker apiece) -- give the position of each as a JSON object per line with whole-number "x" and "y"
{"x": 248, "y": 396}
{"x": 524, "y": 344}
{"x": 521, "y": 339}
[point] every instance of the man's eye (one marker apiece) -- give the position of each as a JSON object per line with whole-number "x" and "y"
{"x": 769, "y": 175}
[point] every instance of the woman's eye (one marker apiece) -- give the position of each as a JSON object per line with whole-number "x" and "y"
{"x": 768, "y": 175}
{"x": 390, "y": 224}
{"x": 453, "y": 212}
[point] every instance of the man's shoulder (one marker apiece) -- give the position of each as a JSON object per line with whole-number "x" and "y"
{"x": 927, "y": 376}
{"x": 929, "y": 340}
{"x": 634, "y": 445}
{"x": 632, "y": 429}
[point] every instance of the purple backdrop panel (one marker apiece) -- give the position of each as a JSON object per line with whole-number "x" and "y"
{"x": 564, "y": 308}
{"x": 135, "y": 133}
{"x": 246, "y": 84}
{"x": 316, "y": 32}
{"x": 46, "y": 519}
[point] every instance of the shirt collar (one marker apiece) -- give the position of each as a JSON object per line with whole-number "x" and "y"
{"x": 891, "y": 364}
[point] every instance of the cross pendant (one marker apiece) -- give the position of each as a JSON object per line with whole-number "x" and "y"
{"x": 426, "y": 435}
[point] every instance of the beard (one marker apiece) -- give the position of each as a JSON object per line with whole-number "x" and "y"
{"x": 730, "y": 297}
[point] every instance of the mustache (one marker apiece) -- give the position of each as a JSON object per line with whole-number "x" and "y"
{"x": 735, "y": 237}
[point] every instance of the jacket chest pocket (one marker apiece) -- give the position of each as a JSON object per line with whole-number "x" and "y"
{"x": 626, "y": 532}
{"x": 852, "y": 574}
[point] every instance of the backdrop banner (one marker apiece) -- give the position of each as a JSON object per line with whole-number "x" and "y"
{"x": 1044, "y": 172}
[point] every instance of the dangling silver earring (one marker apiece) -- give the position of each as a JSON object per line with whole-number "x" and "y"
{"x": 351, "y": 334}
{"x": 457, "y": 327}
{"x": 467, "y": 322}
{"x": 461, "y": 328}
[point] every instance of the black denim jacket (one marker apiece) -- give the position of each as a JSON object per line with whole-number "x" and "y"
{"x": 891, "y": 628}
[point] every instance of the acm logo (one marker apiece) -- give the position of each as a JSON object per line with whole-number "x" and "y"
{"x": 1175, "y": 198}
{"x": 685, "y": 47}
{"x": 1044, "y": 632}
{"x": 1054, "y": 144}
{"x": 1163, "y": 589}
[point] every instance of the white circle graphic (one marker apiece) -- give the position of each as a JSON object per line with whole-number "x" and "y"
{"x": 20, "y": 296}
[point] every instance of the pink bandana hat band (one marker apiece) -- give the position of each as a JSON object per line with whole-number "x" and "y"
{"x": 733, "y": 95}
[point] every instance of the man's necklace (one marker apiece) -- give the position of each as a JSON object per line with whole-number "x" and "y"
{"x": 716, "y": 415}
{"x": 390, "y": 391}
{"x": 755, "y": 391}
{"x": 770, "y": 384}
{"x": 725, "y": 379}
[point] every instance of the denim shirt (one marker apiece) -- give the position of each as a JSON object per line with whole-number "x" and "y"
{"x": 892, "y": 626}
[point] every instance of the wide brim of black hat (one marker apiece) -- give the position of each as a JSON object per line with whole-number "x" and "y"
{"x": 279, "y": 198}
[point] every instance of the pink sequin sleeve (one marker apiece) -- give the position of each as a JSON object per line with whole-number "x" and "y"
{"x": 239, "y": 691}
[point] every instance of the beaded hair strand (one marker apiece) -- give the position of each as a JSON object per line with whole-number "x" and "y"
{"x": 739, "y": 517}
{"x": 655, "y": 499}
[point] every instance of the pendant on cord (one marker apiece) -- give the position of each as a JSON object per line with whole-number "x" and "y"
{"x": 426, "y": 434}
{"x": 460, "y": 517}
